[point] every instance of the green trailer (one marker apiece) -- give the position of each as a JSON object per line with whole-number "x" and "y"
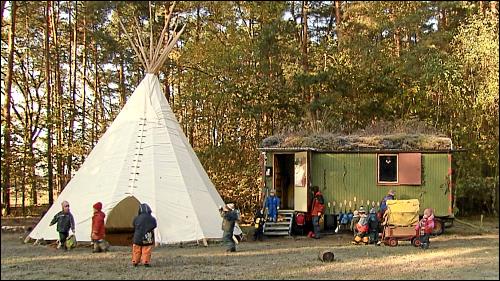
{"x": 354, "y": 171}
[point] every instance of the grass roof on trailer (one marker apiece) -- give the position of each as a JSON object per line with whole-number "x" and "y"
{"x": 407, "y": 136}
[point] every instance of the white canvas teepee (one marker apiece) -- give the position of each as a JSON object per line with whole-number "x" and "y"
{"x": 144, "y": 157}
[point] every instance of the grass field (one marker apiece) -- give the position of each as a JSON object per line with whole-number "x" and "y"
{"x": 463, "y": 252}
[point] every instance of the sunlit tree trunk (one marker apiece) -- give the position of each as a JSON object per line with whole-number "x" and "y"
{"x": 50, "y": 167}
{"x": 443, "y": 19}
{"x": 73, "y": 110}
{"x": 84, "y": 77}
{"x": 59, "y": 101}
{"x": 94, "y": 104}
{"x": 303, "y": 48}
{"x": 2, "y": 8}
{"x": 121, "y": 75}
{"x": 397, "y": 42}
{"x": 305, "y": 59}
{"x": 494, "y": 8}
{"x": 338, "y": 20}
{"x": 6, "y": 184}
{"x": 193, "y": 109}
{"x": 482, "y": 7}
{"x": 23, "y": 184}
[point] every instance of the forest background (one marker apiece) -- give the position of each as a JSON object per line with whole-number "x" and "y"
{"x": 243, "y": 71}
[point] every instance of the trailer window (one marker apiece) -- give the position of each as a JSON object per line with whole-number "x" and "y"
{"x": 387, "y": 168}
{"x": 399, "y": 169}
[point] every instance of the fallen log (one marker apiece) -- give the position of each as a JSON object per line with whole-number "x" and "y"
{"x": 15, "y": 228}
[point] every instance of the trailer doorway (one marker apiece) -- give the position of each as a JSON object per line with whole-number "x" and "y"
{"x": 283, "y": 181}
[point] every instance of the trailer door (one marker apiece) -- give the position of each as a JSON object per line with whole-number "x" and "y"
{"x": 301, "y": 181}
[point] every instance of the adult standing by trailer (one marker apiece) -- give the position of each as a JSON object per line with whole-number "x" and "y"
{"x": 317, "y": 210}
{"x": 383, "y": 203}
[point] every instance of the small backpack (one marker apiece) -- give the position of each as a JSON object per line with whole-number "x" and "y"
{"x": 71, "y": 242}
{"x": 300, "y": 219}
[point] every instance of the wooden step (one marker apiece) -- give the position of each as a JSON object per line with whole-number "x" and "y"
{"x": 277, "y": 233}
{"x": 277, "y": 228}
{"x": 282, "y": 226}
{"x": 283, "y": 220}
{"x": 285, "y": 211}
{"x": 269, "y": 224}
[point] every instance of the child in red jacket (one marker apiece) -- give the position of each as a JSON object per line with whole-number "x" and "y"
{"x": 425, "y": 227}
{"x": 98, "y": 230}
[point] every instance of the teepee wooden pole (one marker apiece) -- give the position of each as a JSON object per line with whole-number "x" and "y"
{"x": 166, "y": 51}
{"x": 151, "y": 21}
{"x": 153, "y": 59}
{"x": 141, "y": 48}
{"x": 132, "y": 43}
{"x": 160, "y": 42}
{"x": 141, "y": 52}
{"x": 163, "y": 32}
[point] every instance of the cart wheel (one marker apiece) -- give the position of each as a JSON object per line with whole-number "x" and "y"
{"x": 393, "y": 242}
{"x": 438, "y": 227}
{"x": 416, "y": 242}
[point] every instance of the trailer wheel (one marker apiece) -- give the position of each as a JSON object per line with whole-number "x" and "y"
{"x": 415, "y": 241}
{"x": 438, "y": 227}
{"x": 393, "y": 242}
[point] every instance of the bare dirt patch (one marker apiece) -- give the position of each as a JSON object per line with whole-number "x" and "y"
{"x": 463, "y": 252}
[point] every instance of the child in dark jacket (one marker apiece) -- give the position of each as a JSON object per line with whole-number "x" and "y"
{"x": 425, "y": 227}
{"x": 258, "y": 221}
{"x": 65, "y": 222}
{"x": 229, "y": 217}
{"x": 144, "y": 225}
{"x": 373, "y": 226}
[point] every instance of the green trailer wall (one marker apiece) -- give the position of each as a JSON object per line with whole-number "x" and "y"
{"x": 352, "y": 177}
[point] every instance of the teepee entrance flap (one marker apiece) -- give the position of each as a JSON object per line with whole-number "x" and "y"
{"x": 122, "y": 215}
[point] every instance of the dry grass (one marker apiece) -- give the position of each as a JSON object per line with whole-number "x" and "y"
{"x": 400, "y": 135}
{"x": 461, "y": 253}
{"x": 335, "y": 142}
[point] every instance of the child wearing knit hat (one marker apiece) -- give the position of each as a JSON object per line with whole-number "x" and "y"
{"x": 98, "y": 230}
